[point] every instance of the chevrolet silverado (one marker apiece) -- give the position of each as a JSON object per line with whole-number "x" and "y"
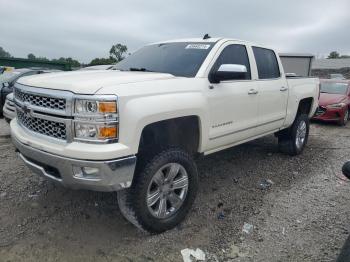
{"x": 137, "y": 128}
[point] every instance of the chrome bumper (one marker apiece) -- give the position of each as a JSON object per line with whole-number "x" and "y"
{"x": 109, "y": 175}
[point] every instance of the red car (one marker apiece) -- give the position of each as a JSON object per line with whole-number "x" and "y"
{"x": 334, "y": 103}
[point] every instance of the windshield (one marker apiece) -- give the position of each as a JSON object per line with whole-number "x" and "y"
{"x": 8, "y": 76}
{"x": 178, "y": 59}
{"x": 334, "y": 88}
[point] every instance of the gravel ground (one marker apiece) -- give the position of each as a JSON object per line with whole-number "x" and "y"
{"x": 302, "y": 216}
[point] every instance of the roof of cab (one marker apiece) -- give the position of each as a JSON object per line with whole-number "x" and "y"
{"x": 201, "y": 40}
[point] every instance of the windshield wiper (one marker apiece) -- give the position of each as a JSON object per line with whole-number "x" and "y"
{"x": 141, "y": 69}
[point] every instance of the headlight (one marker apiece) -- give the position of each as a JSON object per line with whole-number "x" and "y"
{"x": 96, "y": 120}
{"x": 83, "y": 106}
{"x": 338, "y": 105}
{"x": 96, "y": 131}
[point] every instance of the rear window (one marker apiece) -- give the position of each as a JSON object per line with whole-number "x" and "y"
{"x": 266, "y": 62}
{"x": 334, "y": 88}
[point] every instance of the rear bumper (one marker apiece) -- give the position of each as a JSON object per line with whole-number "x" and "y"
{"x": 109, "y": 175}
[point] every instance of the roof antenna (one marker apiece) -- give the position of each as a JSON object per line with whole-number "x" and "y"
{"x": 206, "y": 36}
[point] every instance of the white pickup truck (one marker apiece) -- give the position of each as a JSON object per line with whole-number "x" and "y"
{"x": 136, "y": 128}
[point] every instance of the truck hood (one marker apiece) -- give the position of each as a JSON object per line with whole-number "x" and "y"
{"x": 89, "y": 82}
{"x": 328, "y": 99}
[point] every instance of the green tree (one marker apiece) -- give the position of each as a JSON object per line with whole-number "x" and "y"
{"x": 4, "y": 53}
{"x": 69, "y": 60}
{"x": 42, "y": 58}
{"x": 117, "y": 52}
{"x": 102, "y": 61}
{"x": 333, "y": 55}
{"x": 31, "y": 56}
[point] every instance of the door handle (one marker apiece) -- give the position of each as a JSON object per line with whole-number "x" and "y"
{"x": 252, "y": 92}
{"x": 283, "y": 88}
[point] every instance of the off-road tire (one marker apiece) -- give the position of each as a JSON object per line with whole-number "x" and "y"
{"x": 132, "y": 201}
{"x": 287, "y": 138}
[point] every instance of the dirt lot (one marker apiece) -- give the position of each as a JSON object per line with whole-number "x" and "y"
{"x": 303, "y": 216}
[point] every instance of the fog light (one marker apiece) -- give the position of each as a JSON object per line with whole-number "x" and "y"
{"x": 86, "y": 172}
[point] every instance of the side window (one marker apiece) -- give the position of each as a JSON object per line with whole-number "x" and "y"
{"x": 266, "y": 62}
{"x": 235, "y": 54}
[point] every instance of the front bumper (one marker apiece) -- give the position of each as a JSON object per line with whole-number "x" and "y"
{"x": 108, "y": 175}
{"x": 9, "y": 110}
{"x": 328, "y": 114}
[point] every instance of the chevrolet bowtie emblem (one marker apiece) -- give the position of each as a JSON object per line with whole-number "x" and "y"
{"x": 26, "y": 110}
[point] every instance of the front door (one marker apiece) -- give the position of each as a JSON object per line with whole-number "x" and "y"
{"x": 233, "y": 104}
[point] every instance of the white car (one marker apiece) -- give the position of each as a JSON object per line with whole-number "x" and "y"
{"x": 136, "y": 129}
{"x": 9, "y": 109}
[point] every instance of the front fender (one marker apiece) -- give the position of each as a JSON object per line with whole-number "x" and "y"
{"x": 138, "y": 112}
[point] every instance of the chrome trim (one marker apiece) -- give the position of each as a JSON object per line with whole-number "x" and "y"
{"x": 34, "y": 167}
{"x": 96, "y": 141}
{"x": 67, "y": 116}
{"x": 111, "y": 175}
{"x": 245, "y": 129}
{"x": 52, "y": 93}
{"x": 253, "y": 92}
{"x": 68, "y": 123}
{"x": 97, "y": 98}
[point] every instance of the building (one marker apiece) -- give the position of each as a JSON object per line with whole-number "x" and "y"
{"x": 331, "y": 63}
{"x": 322, "y": 68}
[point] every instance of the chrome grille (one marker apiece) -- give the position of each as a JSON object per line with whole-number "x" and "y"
{"x": 40, "y": 100}
{"x": 42, "y": 126}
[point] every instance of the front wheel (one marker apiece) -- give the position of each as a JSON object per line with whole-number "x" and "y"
{"x": 293, "y": 140}
{"x": 162, "y": 192}
{"x": 345, "y": 118}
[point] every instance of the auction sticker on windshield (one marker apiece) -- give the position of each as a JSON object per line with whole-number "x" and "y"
{"x": 197, "y": 46}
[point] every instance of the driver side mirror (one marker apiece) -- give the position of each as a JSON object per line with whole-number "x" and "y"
{"x": 228, "y": 72}
{"x": 5, "y": 84}
{"x": 346, "y": 169}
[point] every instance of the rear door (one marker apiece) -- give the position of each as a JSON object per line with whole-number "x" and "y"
{"x": 232, "y": 104}
{"x": 273, "y": 90}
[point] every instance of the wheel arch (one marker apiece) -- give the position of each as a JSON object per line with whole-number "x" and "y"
{"x": 181, "y": 132}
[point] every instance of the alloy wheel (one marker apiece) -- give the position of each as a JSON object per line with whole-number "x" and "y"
{"x": 300, "y": 134}
{"x": 167, "y": 190}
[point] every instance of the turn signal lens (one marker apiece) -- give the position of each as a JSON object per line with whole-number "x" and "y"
{"x": 107, "y": 107}
{"x": 108, "y": 132}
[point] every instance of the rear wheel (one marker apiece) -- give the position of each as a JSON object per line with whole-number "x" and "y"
{"x": 293, "y": 140}
{"x": 162, "y": 192}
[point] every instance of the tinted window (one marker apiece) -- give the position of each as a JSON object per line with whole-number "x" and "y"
{"x": 179, "y": 59}
{"x": 234, "y": 54}
{"x": 266, "y": 62}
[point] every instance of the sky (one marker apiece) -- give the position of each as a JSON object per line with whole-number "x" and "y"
{"x": 84, "y": 29}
